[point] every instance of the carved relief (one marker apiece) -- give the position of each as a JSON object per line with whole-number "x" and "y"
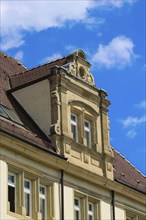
{"x": 86, "y": 158}
{"x": 72, "y": 68}
{"x": 55, "y": 129}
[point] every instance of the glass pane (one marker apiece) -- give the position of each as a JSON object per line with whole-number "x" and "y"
{"x": 26, "y": 184}
{"x": 90, "y": 217}
{"x": 90, "y": 207}
{"x": 42, "y": 208}
{"x": 76, "y": 202}
{"x": 73, "y": 118}
{"x": 73, "y": 129}
{"x": 77, "y": 216}
{"x": 11, "y": 198}
{"x": 10, "y": 178}
{"x": 8, "y": 113}
{"x": 27, "y": 203}
{"x": 86, "y": 124}
{"x": 2, "y": 113}
{"x": 42, "y": 190}
{"x": 87, "y": 137}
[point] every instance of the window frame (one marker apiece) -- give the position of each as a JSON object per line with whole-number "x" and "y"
{"x": 77, "y": 208}
{"x": 91, "y": 213}
{"x": 87, "y": 129}
{"x": 75, "y": 124}
{"x": 43, "y": 197}
{"x": 14, "y": 186}
{"x": 28, "y": 191}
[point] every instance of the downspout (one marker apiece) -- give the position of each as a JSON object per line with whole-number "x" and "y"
{"x": 62, "y": 194}
{"x": 113, "y": 204}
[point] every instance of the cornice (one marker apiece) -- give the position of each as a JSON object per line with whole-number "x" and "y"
{"x": 20, "y": 148}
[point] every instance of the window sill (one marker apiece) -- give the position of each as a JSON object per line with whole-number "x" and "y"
{"x": 19, "y": 216}
{"x": 83, "y": 148}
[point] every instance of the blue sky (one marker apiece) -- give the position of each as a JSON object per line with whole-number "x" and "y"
{"x": 111, "y": 33}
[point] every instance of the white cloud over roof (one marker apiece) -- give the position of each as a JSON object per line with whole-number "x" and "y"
{"x": 20, "y": 16}
{"x": 118, "y": 53}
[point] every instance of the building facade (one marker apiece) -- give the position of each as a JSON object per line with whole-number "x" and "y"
{"x": 56, "y": 161}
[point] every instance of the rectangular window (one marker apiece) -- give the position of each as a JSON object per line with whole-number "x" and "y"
{"x": 77, "y": 211}
{"x": 87, "y": 133}
{"x": 90, "y": 211}
{"x": 12, "y": 192}
{"x": 74, "y": 127}
{"x": 27, "y": 197}
{"x": 43, "y": 201}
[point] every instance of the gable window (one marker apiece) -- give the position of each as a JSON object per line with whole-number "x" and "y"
{"x": 27, "y": 197}
{"x": 74, "y": 127}
{"x": 12, "y": 192}
{"x": 43, "y": 201}
{"x": 87, "y": 133}
{"x": 90, "y": 211}
{"x": 77, "y": 211}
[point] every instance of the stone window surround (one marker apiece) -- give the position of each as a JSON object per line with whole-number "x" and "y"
{"x": 36, "y": 182}
{"x": 85, "y": 200}
{"x": 83, "y": 115}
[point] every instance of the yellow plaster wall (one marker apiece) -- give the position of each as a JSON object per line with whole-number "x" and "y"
{"x": 105, "y": 209}
{"x": 120, "y": 214}
{"x": 68, "y": 203}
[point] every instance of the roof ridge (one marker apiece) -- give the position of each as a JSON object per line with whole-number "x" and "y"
{"x": 35, "y": 67}
{"x": 13, "y": 58}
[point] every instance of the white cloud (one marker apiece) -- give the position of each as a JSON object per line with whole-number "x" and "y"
{"x": 133, "y": 121}
{"x": 118, "y": 53}
{"x": 92, "y": 23}
{"x": 19, "y": 55}
{"x": 114, "y": 3}
{"x": 71, "y": 48}
{"x": 131, "y": 133}
{"x": 141, "y": 105}
{"x": 51, "y": 58}
{"x": 20, "y": 16}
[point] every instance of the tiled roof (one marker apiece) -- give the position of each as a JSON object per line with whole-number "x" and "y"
{"x": 13, "y": 74}
{"x": 24, "y": 134}
{"x": 8, "y": 67}
{"x": 127, "y": 174}
{"x": 35, "y": 73}
{"x": 28, "y": 131}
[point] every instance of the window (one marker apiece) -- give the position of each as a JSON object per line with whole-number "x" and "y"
{"x": 43, "y": 201}
{"x": 90, "y": 211}
{"x": 87, "y": 133}
{"x": 74, "y": 127}
{"x": 77, "y": 214}
{"x": 27, "y": 197}
{"x": 12, "y": 192}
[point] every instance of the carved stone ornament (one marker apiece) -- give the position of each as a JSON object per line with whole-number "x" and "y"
{"x": 72, "y": 68}
{"x": 54, "y": 129}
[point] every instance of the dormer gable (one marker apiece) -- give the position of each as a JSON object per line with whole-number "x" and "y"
{"x": 64, "y": 102}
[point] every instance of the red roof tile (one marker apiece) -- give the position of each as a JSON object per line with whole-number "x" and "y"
{"x": 127, "y": 174}
{"x": 8, "y": 67}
